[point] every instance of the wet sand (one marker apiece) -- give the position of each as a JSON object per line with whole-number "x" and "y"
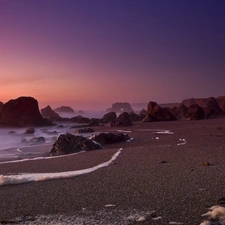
{"x": 179, "y": 190}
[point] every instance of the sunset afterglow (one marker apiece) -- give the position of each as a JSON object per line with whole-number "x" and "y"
{"x": 90, "y": 54}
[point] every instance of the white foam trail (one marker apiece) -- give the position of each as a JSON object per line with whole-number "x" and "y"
{"x": 28, "y": 177}
{"x": 164, "y": 132}
{"x": 125, "y": 131}
{"x": 183, "y": 142}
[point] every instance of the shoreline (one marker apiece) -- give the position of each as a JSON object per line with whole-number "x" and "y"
{"x": 179, "y": 190}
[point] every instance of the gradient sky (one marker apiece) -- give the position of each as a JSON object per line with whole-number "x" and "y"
{"x": 92, "y": 53}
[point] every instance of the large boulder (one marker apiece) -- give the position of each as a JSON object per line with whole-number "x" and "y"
{"x": 157, "y": 113}
{"x": 124, "y": 120}
{"x": 213, "y": 109}
{"x": 110, "y": 138}
{"x": 22, "y": 111}
{"x": 109, "y": 117}
{"x": 120, "y": 107}
{"x": 49, "y": 113}
{"x": 69, "y": 143}
{"x": 195, "y": 112}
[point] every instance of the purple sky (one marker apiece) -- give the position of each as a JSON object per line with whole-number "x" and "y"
{"x": 92, "y": 53}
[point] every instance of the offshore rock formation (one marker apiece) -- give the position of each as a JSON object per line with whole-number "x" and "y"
{"x": 49, "y": 113}
{"x": 120, "y": 107}
{"x": 157, "y": 113}
{"x": 64, "y": 109}
{"x": 22, "y": 111}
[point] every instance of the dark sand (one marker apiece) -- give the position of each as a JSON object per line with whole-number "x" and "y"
{"x": 179, "y": 190}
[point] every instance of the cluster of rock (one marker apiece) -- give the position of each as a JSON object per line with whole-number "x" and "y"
{"x": 24, "y": 111}
{"x": 69, "y": 143}
{"x": 206, "y": 109}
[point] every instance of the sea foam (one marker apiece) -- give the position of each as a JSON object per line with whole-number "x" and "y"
{"x": 28, "y": 177}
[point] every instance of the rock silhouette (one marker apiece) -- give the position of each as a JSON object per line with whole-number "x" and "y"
{"x": 22, "y": 111}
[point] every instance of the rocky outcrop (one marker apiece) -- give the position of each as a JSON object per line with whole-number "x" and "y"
{"x": 135, "y": 117}
{"x": 195, "y": 112}
{"x": 109, "y": 117}
{"x": 143, "y": 112}
{"x": 68, "y": 143}
{"x": 212, "y": 109}
{"x": 47, "y": 112}
{"x": 22, "y": 111}
{"x": 110, "y": 138}
{"x": 124, "y": 120}
{"x": 180, "y": 112}
{"x": 64, "y": 109}
{"x": 94, "y": 122}
{"x": 80, "y": 119}
{"x": 84, "y": 130}
{"x": 120, "y": 107}
{"x": 157, "y": 113}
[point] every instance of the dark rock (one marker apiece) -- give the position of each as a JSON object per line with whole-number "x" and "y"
{"x": 195, "y": 112}
{"x": 36, "y": 141}
{"x": 143, "y": 113}
{"x": 120, "y": 107}
{"x": 135, "y": 117}
{"x": 110, "y": 138}
{"x": 12, "y": 132}
{"x": 180, "y": 112}
{"x": 64, "y": 109}
{"x": 1, "y": 105}
{"x": 84, "y": 130}
{"x": 30, "y": 130}
{"x": 80, "y": 119}
{"x": 22, "y": 111}
{"x": 123, "y": 120}
{"x": 68, "y": 143}
{"x": 157, "y": 113}
{"x": 94, "y": 122}
{"x": 212, "y": 109}
{"x": 109, "y": 117}
{"x": 49, "y": 113}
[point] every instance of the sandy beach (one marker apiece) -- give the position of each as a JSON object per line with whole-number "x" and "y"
{"x": 154, "y": 172}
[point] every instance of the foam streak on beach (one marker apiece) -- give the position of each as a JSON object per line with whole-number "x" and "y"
{"x": 24, "y": 178}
